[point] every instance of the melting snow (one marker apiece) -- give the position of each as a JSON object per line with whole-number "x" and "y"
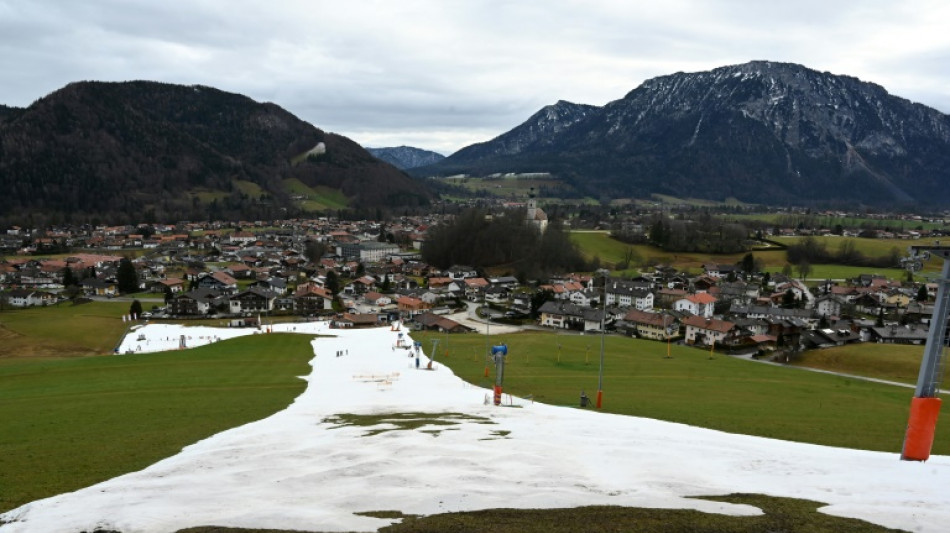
{"x": 302, "y": 469}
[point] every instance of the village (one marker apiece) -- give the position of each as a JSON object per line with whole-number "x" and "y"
{"x": 364, "y": 273}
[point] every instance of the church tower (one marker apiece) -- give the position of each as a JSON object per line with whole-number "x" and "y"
{"x": 536, "y": 216}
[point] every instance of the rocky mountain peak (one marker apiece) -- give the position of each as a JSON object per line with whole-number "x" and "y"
{"x": 761, "y": 131}
{"x": 406, "y": 157}
{"x": 534, "y": 133}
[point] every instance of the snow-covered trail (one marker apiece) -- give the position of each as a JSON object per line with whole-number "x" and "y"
{"x": 309, "y": 468}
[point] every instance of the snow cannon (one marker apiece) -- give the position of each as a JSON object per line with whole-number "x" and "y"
{"x": 925, "y": 405}
{"x": 499, "y": 353}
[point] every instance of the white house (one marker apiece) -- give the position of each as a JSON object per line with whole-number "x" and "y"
{"x": 706, "y": 331}
{"x": 699, "y": 304}
{"x": 629, "y": 295}
{"x": 829, "y": 305}
{"x": 28, "y": 298}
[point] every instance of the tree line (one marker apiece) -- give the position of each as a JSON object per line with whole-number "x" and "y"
{"x": 705, "y": 234}
{"x": 811, "y": 250}
{"x": 507, "y": 242}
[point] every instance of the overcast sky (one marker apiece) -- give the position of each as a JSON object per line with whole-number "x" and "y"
{"x": 442, "y": 74}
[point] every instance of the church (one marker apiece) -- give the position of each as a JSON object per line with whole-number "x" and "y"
{"x": 536, "y": 216}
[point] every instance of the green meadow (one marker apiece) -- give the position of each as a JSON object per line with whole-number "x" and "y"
{"x": 610, "y": 251}
{"x": 832, "y": 221}
{"x": 697, "y": 388}
{"x": 867, "y": 247}
{"x": 893, "y": 362}
{"x": 842, "y": 272}
{"x": 63, "y": 330}
{"x": 70, "y": 423}
{"x": 515, "y": 187}
{"x": 316, "y": 199}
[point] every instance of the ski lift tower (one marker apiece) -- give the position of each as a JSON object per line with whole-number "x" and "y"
{"x": 925, "y": 405}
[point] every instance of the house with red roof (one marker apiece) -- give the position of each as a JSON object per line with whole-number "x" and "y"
{"x": 707, "y": 331}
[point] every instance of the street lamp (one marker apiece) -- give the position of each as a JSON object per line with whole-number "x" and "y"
{"x": 603, "y": 317}
{"x": 487, "y": 339}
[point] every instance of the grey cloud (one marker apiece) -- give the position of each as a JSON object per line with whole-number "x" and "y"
{"x": 458, "y": 70}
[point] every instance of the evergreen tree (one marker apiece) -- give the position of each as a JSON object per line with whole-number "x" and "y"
{"x": 922, "y": 293}
{"x": 126, "y": 276}
{"x": 658, "y": 234}
{"x": 69, "y": 279}
{"x": 748, "y": 263}
{"x": 538, "y": 299}
{"x": 135, "y": 310}
{"x": 332, "y": 283}
{"x": 788, "y": 299}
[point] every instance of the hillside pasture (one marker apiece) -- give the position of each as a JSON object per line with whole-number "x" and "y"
{"x": 720, "y": 392}
{"x": 71, "y": 423}
{"x": 316, "y": 199}
{"x": 892, "y": 362}
{"x": 62, "y": 330}
{"x": 666, "y": 199}
{"x": 132, "y": 404}
{"x": 515, "y": 187}
{"x": 249, "y": 188}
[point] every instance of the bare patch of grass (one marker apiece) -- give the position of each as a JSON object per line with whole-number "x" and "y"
{"x": 383, "y": 423}
{"x": 780, "y": 515}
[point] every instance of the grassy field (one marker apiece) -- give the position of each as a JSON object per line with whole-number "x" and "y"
{"x": 612, "y": 251}
{"x": 673, "y": 200}
{"x": 318, "y": 198}
{"x": 206, "y": 197}
{"x": 68, "y": 424}
{"x": 867, "y": 247}
{"x": 63, "y": 330}
{"x": 893, "y": 362}
{"x": 722, "y": 393}
{"x": 847, "y": 222}
{"x": 249, "y": 188}
{"x": 514, "y": 187}
{"x": 841, "y": 272}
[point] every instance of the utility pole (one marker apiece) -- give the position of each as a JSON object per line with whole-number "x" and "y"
{"x": 603, "y": 320}
{"x": 925, "y": 405}
{"x": 435, "y": 343}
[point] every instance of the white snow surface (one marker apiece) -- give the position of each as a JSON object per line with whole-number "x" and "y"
{"x": 301, "y": 470}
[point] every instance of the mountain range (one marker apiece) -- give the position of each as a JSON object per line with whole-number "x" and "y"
{"x": 406, "y": 157}
{"x": 132, "y": 151}
{"x": 761, "y": 132}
